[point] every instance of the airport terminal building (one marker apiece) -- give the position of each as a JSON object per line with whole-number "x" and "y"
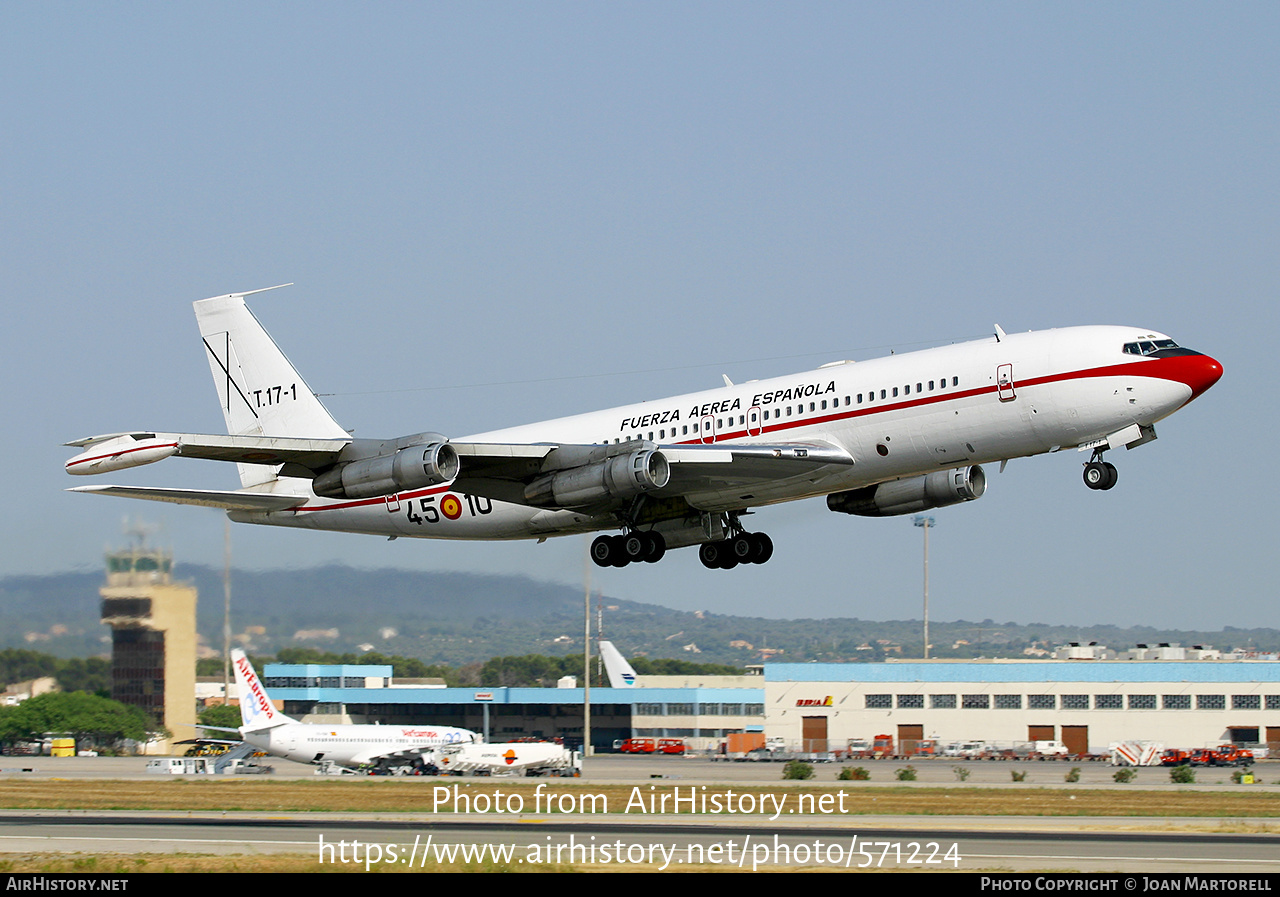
{"x": 702, "y": 710}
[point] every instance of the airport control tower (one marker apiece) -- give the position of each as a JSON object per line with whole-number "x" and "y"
{"x": 153, "y": 637}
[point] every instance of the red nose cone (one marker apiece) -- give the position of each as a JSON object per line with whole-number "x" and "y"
{"x": 1203, "y": 374}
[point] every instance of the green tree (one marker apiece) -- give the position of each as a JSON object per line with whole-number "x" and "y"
{"x": 223, "y": 715}
{"x": 90, "y": 719}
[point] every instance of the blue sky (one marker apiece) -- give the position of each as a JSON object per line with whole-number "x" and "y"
{"x": 498, "y": 213}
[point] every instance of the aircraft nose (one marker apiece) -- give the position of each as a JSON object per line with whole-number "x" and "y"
{"x": 1201, "y": 374}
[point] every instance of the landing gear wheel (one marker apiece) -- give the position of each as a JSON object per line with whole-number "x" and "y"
{"x": 634, "y": 547}
{"x": 710, "y": 553}
{"x": 742, "y": 548}
{"x": 655, "y": 547}
{"x": 1096, "y": 476}
{"x": 618, "y": 551}
{"x": 1112, "y": 475}
{"x": 762, "y": 547}
{"x": 602, "y": 551}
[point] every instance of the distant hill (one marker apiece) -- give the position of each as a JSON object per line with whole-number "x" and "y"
{"x": 461, "y": 618}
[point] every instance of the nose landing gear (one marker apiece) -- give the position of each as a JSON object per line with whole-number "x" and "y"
{"x": 1099, "y": 474}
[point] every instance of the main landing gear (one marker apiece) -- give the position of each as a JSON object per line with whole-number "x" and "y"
{"x": 1099, "y": 474}
{"x": 744, "y": 548}
{"x": 636, "y": 546}
{"x": 618, "y": 551}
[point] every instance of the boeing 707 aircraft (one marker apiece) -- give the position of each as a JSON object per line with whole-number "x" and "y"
{"x": 894, "y": 435}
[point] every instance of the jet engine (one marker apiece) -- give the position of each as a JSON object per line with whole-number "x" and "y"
{"x": 934, "y": 490}
{"x": 413, "y": 467}
{"x": 620, "y": 477}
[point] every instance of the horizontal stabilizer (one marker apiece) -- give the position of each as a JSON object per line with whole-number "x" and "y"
{"x": 205, "y": 498}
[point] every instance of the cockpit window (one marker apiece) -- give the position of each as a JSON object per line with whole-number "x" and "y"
{"x": 1156, "y": 348}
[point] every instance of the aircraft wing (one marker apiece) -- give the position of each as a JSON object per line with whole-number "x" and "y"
{"x": 513, "y": 473}
{"x": 206, "y": 498}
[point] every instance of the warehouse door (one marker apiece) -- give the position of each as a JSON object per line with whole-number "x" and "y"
{"x": 1039, "y": 733}
{"x": 909, "y": 739}
{"x": 1076, "y": 738}
{"x": 813, "y": 732}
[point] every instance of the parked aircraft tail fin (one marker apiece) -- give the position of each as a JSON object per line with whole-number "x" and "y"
{"x": 620, "y": 673}
{"x": 256, "y": 710}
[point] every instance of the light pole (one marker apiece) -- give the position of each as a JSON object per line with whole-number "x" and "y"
{"x": 925, "y": 523}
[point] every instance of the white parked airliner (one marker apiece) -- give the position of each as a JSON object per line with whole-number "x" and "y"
{"x": 270, "y": 731}
{"x": 893, "y": 435}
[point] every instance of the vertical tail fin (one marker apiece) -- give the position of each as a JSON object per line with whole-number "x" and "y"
{"x": 256, "y": 710}
{"x": 260, "y": 391}
{"x": 620, "y": 673}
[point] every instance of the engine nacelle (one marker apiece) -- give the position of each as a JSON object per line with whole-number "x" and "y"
{"x": 934, "y": 490}
{"x": 620, "y": 477}
{"x": 415, "y": 467}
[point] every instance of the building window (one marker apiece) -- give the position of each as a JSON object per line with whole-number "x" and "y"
{"x": 1075, "y": 702}
{"x": 753, "y": 710}
{"x": 1008, "y": 702}
{"x": 1273, "y": 702}
{"x": 648, "y": 710}
{"x": 679, "y": 710}
{"x": 1108, "y": 702}
{"x": 879, "y": 702}
{"x": 1246, "y": 702}
{"x": 1042, "y": 702}
{"x": 709, "y": 709}
{"x": 1211, "y": 702}
{"x": 910, "y": 702}
{"x": 1142, "y": 702}
{"x": 1177, "y": 702}
{"x": 976, "y": 702}
{"x": 942, "y": 702}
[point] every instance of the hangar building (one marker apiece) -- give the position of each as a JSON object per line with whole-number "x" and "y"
{"x": 1086, "y": 704}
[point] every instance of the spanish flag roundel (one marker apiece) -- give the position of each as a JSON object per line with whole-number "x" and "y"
{"x": 451, "y": 507}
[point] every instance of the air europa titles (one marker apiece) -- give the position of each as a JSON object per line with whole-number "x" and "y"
{"x": 760, "y": 399}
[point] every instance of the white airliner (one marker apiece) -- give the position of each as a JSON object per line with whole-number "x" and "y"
{"x": 269, "y": 730}
{"x": 888, "y": 436}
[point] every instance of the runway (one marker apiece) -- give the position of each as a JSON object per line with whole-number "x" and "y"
{"x": 1021, "y": 844}
{"x": 761, "y": 840}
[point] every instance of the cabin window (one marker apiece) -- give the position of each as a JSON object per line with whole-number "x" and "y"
{"x": 895, "y": 392}
{"x": 955, "y": 381}
{"x": 907, "y": 389}
{"x": 930, "y": 386}
{"x": 883, "y": 394}
{"x": 919, "y": 387}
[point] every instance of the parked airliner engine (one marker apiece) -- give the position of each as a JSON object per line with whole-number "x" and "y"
{"x": 933, "y": 490}
{"x": 413, "y": 467}
{"x": 619, "y": 477}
